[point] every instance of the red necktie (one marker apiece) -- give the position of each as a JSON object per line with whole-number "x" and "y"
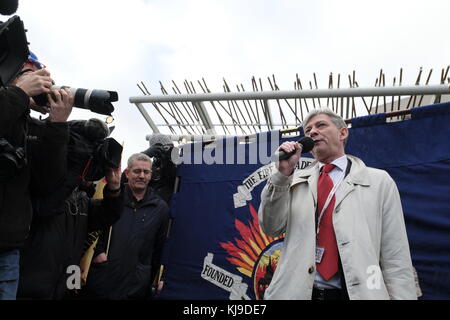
{"x": 326, "y": 237}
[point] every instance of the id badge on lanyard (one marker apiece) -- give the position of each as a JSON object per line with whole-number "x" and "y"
{"x": 319, "y": 254}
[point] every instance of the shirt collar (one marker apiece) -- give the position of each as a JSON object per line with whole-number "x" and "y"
{"x": 340, "y": 163}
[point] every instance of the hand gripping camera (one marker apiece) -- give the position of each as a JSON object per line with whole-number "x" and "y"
{"x": 14, "y": 52}
{"x": 98, "y": 101}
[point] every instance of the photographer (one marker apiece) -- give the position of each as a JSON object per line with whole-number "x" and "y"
{"x": 57, "y": 242}
{"x": 32, "y": 160}
{"x": 62, "y": 221}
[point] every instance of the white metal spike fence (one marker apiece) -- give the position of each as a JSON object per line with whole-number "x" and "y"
{"x": 203, "y": 116}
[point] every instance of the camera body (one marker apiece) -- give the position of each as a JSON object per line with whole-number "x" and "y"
{"x": 163, "y": 169}
{"x": 160, "y": 153}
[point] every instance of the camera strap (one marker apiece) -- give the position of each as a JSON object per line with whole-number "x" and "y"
{"x": 86, "y": 168}
{"x": 21, "y": 150}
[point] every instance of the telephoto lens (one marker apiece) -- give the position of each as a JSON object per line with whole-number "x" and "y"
{"x": 98, "y": 101}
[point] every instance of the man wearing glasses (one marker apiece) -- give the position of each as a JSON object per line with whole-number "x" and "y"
{"x": 128, "y": 259}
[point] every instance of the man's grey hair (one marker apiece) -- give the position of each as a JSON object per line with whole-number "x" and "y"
{"x": 335, "y": 118}
{"x": 138, "y": 157}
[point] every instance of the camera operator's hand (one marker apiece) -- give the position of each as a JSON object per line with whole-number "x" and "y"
{"x": 61, "y": 104}
{"x": 100, "y": 258}
{"x": 34, "y": 83}
{"x": 112, "y": 176}
{"x": 41, "y": 109}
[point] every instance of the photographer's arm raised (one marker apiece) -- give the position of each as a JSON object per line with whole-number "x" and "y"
{"x": 103, "y": 213}
{"x": 60, "y": 101}
{"x": 15, "y": 98}
{"x": 113, "y": 177}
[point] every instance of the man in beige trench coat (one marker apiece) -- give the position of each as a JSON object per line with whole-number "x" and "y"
{"x": 356, "y": 247}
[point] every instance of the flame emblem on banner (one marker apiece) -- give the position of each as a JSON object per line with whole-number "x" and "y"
{"x": 255, "y": 255}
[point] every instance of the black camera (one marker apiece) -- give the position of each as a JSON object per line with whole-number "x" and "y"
{"x": 98, "y": 101}
{"x": 13, "y": 49}
{"x": 12, "y": 160}
{"x": 163, "y": 169}
{"x": 159, "y": 150}
{"x": 90, "y": 150}
{"x": 161, "y": 158}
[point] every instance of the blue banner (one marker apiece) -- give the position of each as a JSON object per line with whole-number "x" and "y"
{"x": 216, "y": 249}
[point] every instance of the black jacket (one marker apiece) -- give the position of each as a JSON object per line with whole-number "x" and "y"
{"x": 57, "y": 241}
{"x": 46, "y": 148}
{"x": 135, "y": 250}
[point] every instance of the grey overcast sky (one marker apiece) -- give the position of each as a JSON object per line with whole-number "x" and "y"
{"x": 110, "y": 44}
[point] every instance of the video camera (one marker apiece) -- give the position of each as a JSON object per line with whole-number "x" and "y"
{"x": 90, "y": 150}
{"x": 14, "y": 53}
{"x": 163, "y": 168}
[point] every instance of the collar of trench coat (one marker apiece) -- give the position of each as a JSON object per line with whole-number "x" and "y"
{"x": 358, "y": 175}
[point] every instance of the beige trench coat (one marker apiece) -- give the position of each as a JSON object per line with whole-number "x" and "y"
{"x": 369, "y": 227}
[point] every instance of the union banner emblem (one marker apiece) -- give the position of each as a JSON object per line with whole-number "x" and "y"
{"x": 255, "y": 254}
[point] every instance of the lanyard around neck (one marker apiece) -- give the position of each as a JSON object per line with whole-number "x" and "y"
{"x": 327, "y": 202}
